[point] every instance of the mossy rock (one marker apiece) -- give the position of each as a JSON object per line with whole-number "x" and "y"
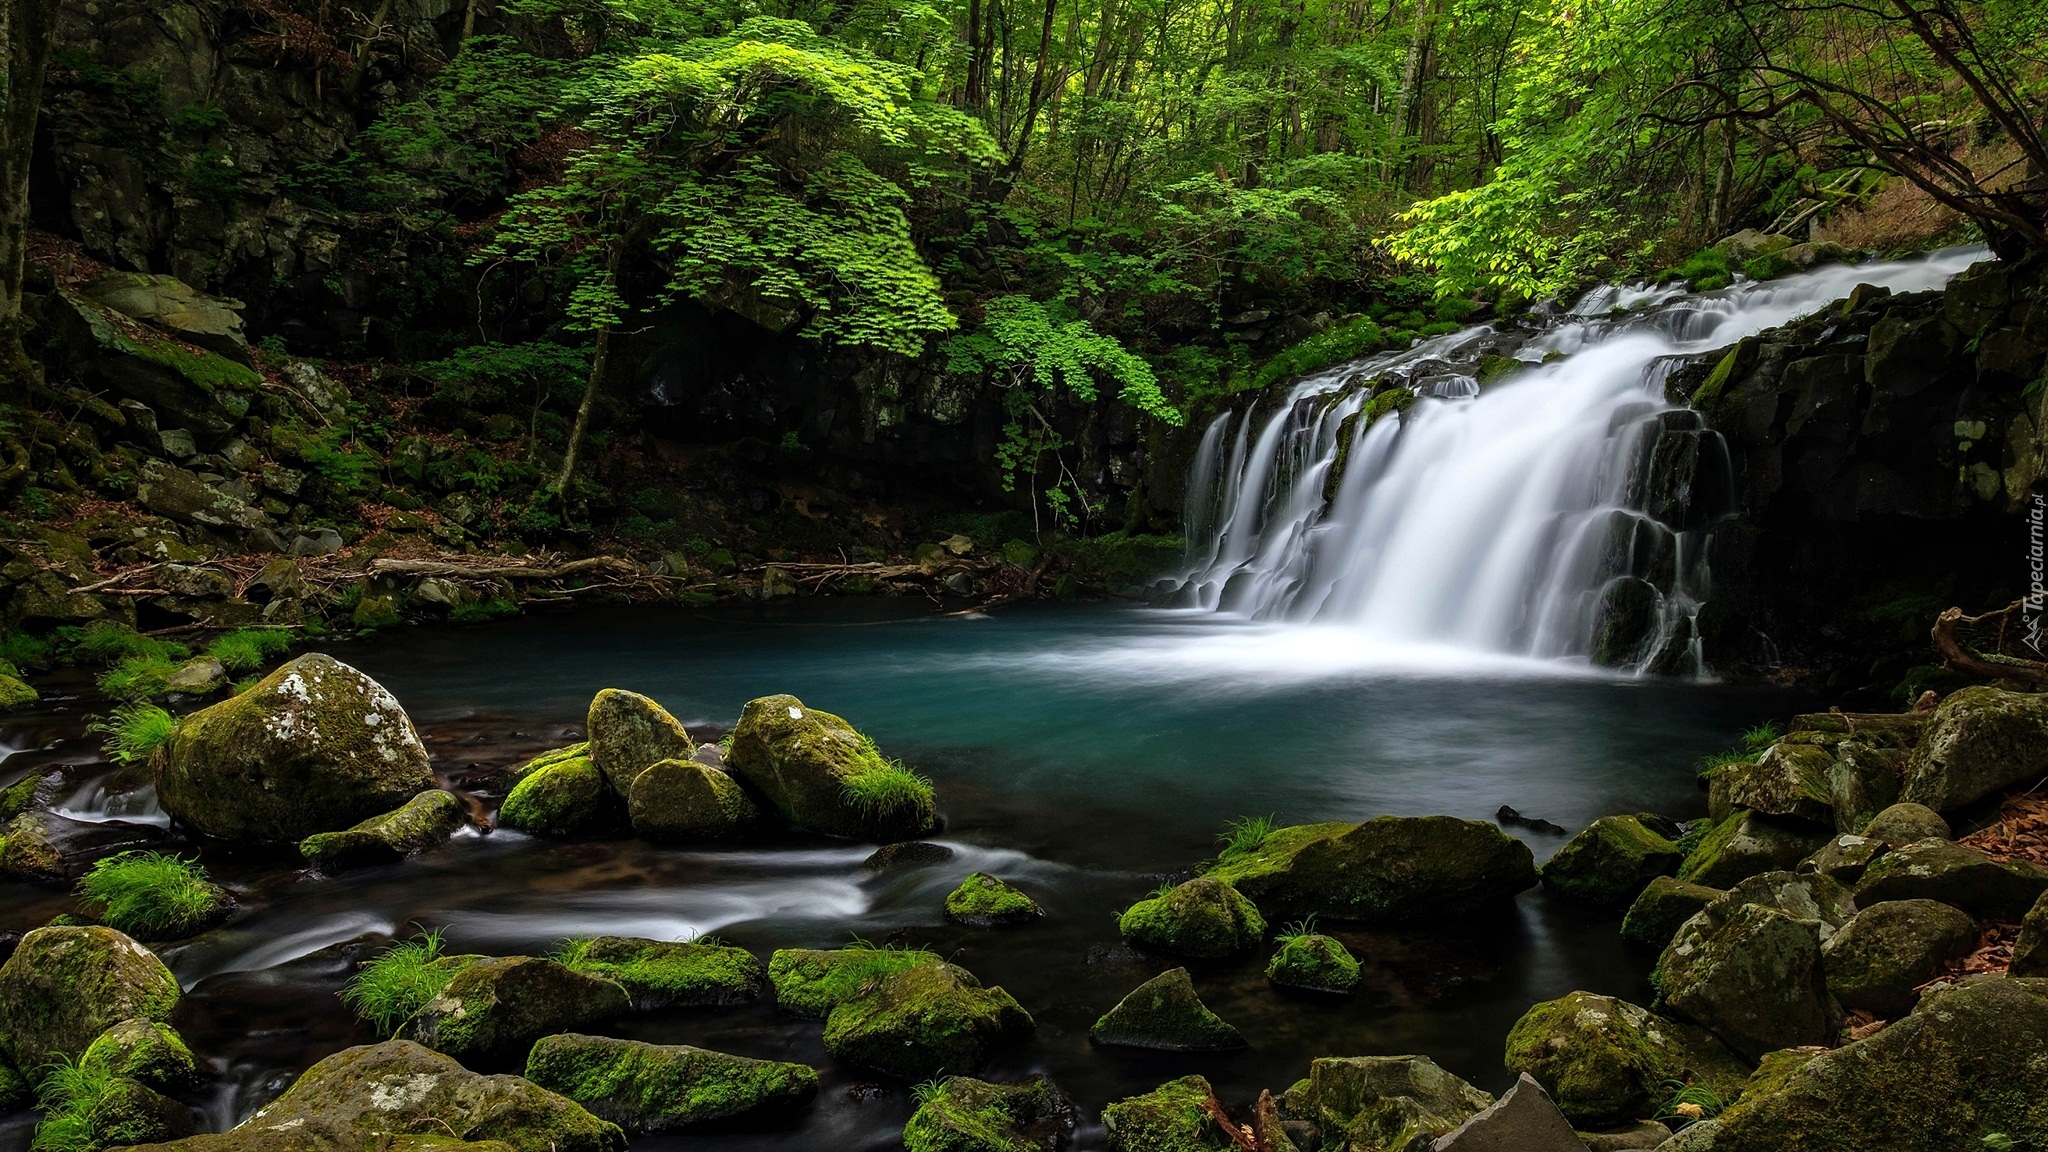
{"x": 1665, "y": 903}
{"x": 150, "y": 1051}
{"x": 1747, "y": 844}
{"x": 682, "y": 801}
{"x": 1604, "y": 1060}
{"x": 1956, "y": 875}
{"x": 812, "y": 982}
{"x": 1982, "y": 740}
{"x": 26, "y": 850}
{"x": 64, "y": 986}
{"x": 982, "y": 901}
{"x": 1173, "y": 1117}
{"x": 1753, "y": 976}
{"x": 1314, "y": 963}
{"x": 15, "y": 693}
{"x": 424, "y": 821}
{"x": 566, "y": 797}
{"x": 494, "y": 1009}
{"x": 1204, "y": 918}
{"x": 129, "y": 1112}
{"x": 1886, "y": 950}
{"x": 15, "y": 1093}
{"x": 664, "y": 974}
{"x": 657, "y": 1087}
{"x": 31, "y": 791}
{"x": 2030, "y": 950}
{"x": 315, "y": 745}
{"x": 629, "y": 732}
{"x": 1383, "y": 1102}
{"x": 1906, "y": 823}
{"x": 1844, "y": 859}
{"x": 578, "y": 750}
{"x": 967, "y": 1115}
{"x": 823, "y": 775}
{"x": 1164, "y": 1013}
{"x": 1610, "y": 861}
{"x": 925, "y": 1021}
{"x": 1393, "y": 868}
{"x": 1790, "y": 780}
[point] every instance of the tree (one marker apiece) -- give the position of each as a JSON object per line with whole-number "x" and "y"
{"x": 28, "y": 35}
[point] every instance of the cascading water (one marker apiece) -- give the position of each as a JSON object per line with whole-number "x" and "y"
{"x": 1558, "y": 511}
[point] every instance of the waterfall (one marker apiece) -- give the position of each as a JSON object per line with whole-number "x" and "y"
{"x": 1523, "y": 491}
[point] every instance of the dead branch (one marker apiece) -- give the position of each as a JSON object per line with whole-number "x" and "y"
{"x": 1959, "y": 657}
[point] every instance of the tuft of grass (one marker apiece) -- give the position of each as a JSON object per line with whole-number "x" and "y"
{"x": 153, "y": 896}
{"x": 68, "y": 1094}
{"x": 105, "y": 642}
{"x": 483, "y": 611}
{"x": 247, "y": 649}
{"x": 1688, "y": 1104}
{"x": 1299, "y": 930}
{"x": 1756, "y": 740}
{"x": 398, "y": 982}
{"x": 134, "y": 732}
{"x": 888, "y": 789}
{"x": 138, "y": 678}
{"x": 1242, "y": 837}
{"x": 925, "y": 1091}
{"x": 24, "y": 651}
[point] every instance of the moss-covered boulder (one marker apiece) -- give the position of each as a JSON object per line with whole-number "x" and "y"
{"x": 400, "y": 1097}
{"x": 1165, "y": 1013}
{"x": 1610, "y": 861}
{"x": 1752, "y": 975}
{"x": 2030, "y": 949}
{"x": 823, "y": 775}
{"x": 494, "y": 1009}
{"x": 1173, "y": 1117}
{"x": 576, "y": 751}
{"x": 565, "y": 797}
{"x": 1790, "y": 780}
{"x": 15, "y": 693}
{"x": 1982, "y": 740}
{"x": 1665, "y": 903}
{"x": 665, "y": 974}
{"x": 1845, "y": 858}
{"x": 65, "y": 986}
{"x": 629, "y": 732}
{"x": 149, "y": 1051}
{"x": 982, "y": 901}
{"x": 1383, "y": 1103}
{"x": 1387, "y": 869}
{"x": 1956, "y": 875}
{"x": 424, "y": 821}
{"x": 656, "y": 1087}
{"x": 812, "y": 981}
{"x": 966, "y": 1115}
{"x": 27, "y": 851}
{"x": 1314, "y": 963}
{"x": 15, "y": 1093}
{"x": 1604, "y": 1060}
{"x": 1745, "y": 844}
{"x": 1203, "y": 918}
{"x": 681, "y": 801}
{"x": 1886, "y": 950}
{"x": 1906, "y": 823}
{"x": 925, "y": 1021}
{"x": 315, "y": 745}
{"x": 127, "y": 1112}
{"x": 1967, "y": 1064}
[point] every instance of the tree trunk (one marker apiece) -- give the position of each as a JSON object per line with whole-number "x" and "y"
{"x": 1420, "y": 36}
{"x": 581, "y": 428}
{"x": 27, "y": 39}
{"x": 469, "y": 18}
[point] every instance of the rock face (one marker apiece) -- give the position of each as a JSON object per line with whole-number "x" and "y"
{"x": 983, "y": 901}
{"x": 1314, "y": 963}
{"x": 1982, "y": 741}
{"x": 628, "y": 732}
{"x": 65, "y": 986}
{"x": 564, "y": 796}
{"x": 654, "y": 1087}
{"x": 662, "y": 974}
{"x": 1388, "y": 869}
{"x": 1171, "y": 1118}
{"x": 1610, "y": 861}
{"x": 1955, "y": 875}
{"x": 680, "y": 801}
{"x": 1968, "y": 1063}
{"x": 426, "y": 820}
{"x": 1886, "y": 950}
{"x": 315, "y": 745}
{"x": 1604, "y": 1060}
{"x": 1165, "y": 1013}
{"x": 925, "y": 1021}
{"x": 1383, "y": 1102}
{"x": 823, "y": 775}
{"x": 494, "y": 1009}
{"x": 1746, "y": 844}
{"x": 1524, "y": 1120}
{"x": 967, "y": 1115}
{"x": 1749, "y": 969}
{"x": 1203, "y": 918}
{"x": 1663, "y": 906}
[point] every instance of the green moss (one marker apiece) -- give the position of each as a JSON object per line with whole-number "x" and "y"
{"x": 375, "y": 611}
{"x": 19, "y": 796}
{"x": 207, "y": 370}
{"x": 1704, "y": 858}
{"x": 981, "y": 900}
{"x": 15, "y": 1093}
{"x": 1334, "y": 345}
{"x": 924, "y": 1021}
{"x": 1390, "y": 868}
{"x": 1203, "y": 918}
{"x": 648, "y": 1088}
{"x": 1314, "y": 962}
{"x": 66, "y": 985}
{"x": 146, "y": 1050}
{"x": 580, "y": 750}
{"x": 26, "y": 851}
{"x": 151, "y": 896}
{"x": 14, "y": 693}
{"x": 966, "y": 1115}
{"x": 564, "y": 797}
{"x": 483, "y": 611}
{"x": 88, "y": 1108}
{"x": 1663, "y": 905}
{"x": 812, "y": 982}
{"x": 138, "y": 678}
{"x": 822, "y": 774}
{"x": 1171, "y": 1118}
{"x": 490, "y": 1014}
{"x": 659, "y": 974}
{"x": 1707, "y": 270}
{"x": 1386, "y": 401}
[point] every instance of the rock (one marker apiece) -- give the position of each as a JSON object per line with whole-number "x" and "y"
{"x": 1956, "y": 875}
{"x": 1823, "y": 902}
{"x": 1945, "y": 1077}
{"x": 1751, "y": 974}
{"x": 45, "y": 599}
{"x": 1746, "y": 844}
{"x": 1507, "y": 815}
{"x": 1165, "y": 1013}
{"x": 1663, "y": 906}
{"x": 982, "y": 901}
{"x": 439, "y": 592}
{"x": 2030, "y": 950}
{"x": 1642, "y": 1134}
{"x": 185, "y": 386}
{"x": 551, "y": 756}
{"x": 924, "y": 1021}
{"x": 681, "y": 800}
{"x": 1388, "y": 869}
{"x": 1171, "y": 1118}
{"x": 1696, "y": 1137}
{"x": 373, "y": 1098}
{"x": 824, "y": 776}
{"x": 26, "y": 851}
{"x": 15, "y": 693}
{"x": 324, "y": 542}
{"x": 190, "y": 498}
{"x": 1789, "y": 780}
{"x": 198, "y": 676}
{"x": 1313, "y": 962}
{"x": 314, "y": 745}
{"x": 65, "y": 986}
{"x": 1624, "y": 621}
{"x": 148, "y": 1051}
{"x": 1204, "y": 918}
{"x": 811, "y": 982}
{"x": 1886, "y": 950}
{"x": 1906, "y": 823}
{"x": 965, "y": 1115}
{"x": 1982, "y": 740}
{"x": 494, "y": 1009}
{"x": 167, "y": 303}
{"x": 907, "y": 854}
{"x": 128, "y": 1112}
{"x": 1384, "y": 1102}
{"x": 656, "y": 1087}
{"x": 424, "y": 821}
{"x": 663, "y": 974}
{"x": 1604, "y": 1060}
{"x": 1610, "y": 861}
{"x": 1845, "y": 858}
{"x": 1524, "y": 1120}
{"x": 566, "y": 796}
{"x": 628, "y": 732}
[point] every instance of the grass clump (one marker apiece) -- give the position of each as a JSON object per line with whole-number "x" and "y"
{"x": 139, "y": 678}
{"x": 134, "y": 732}
{"x": 483, "y": 611}
{"x": 1242, "y": 837}
{"x": 1687, "y": 1104}
{"x": 1755, "y": 741}
{"x": 399, "y": 981}
{"x": 247, "y": 649}
{"x": 153, "y": 896}
{"x": 1334, "y": 345}
{"x": 68, "y": 1095}
{"x": 1704, "y": 271}
{"x": 106, "y": 642}
{"x": 887, "y": 790}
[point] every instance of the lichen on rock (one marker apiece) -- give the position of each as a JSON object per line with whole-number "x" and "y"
{"x": 679, "y": 801}
{"x": 628, "y": 732}
{"x": 1982, "y": 739}
{"x": 1383, "y": 1102}
{"x": 149, "y": 1051}
{"x": 1171, "y": 1118}
{"x": 1604, "y": 1060}
{"x": 1664, "y": 905}
{"x": 1888, "y": 949}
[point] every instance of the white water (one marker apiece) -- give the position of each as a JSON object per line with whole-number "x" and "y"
{"x": 1485, "y": 524}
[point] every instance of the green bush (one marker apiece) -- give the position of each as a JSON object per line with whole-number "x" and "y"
{"x": 134, "y": 732}
{"x": 247, "y": 649}
{"x": 152, "y": 896}
{"x": 398, "y": 982}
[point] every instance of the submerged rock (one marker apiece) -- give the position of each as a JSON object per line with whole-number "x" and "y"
{"x": 494, "y": 1009}
{"x": 1982, "y": 740}
{"x": 1165, "y": 1013}
{"x": 1383, "y": 1102}
{"x": 64, "y": 986}
{"x": 965, "y": 1115}
{"x": 678, "y": 801}
{"x": 1745, "y": 844}
{"x": 823, "y": 775}
{"x": 426, "y": 820}
{"x": 1204, "y": 918}
{"x": 1524, "y": 1120}
{"x": 1171, "y": 1118}
{"x": 1663, "y": 906}
{"x": 655, "y": 1087}
{"x": 812, "y": 982}
{"x": 565, "y": 796}
{"x": 1610, "y": 861}
{"x": 1604, "y": 1060}
{"x": 1906, "y": 823}
{"x": 662, "y": 974}
{"x": 1313, "y": 962}
{"x": 924, "y": 1021}
{"x": 629, "y": 732}
{"x": 982, "y": 901}
{"x": 1388, "y": 869}
{"x": 1956, "y": 875}
{"x": 313, "y": 746}
{"x": 148, "y": 1051}
{"x": 1886, "y": 950}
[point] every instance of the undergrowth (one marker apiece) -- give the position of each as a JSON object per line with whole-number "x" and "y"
{"x": 67, "y": 1096}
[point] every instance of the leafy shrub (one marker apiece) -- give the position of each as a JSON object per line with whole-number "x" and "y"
{"x": 153, "y": 896}
{"x": 247, "y": 649}
{"x": 398, "y": 982}
{"x": 134, "y": 732}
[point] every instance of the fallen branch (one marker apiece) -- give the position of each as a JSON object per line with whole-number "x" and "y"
{"x": 1244, "y": 1138}
{"x": 500, "y": 571}
{"x": 1962, "y": 659}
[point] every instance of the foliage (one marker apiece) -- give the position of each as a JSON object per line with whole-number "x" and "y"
{"x": 398, "y": 982}
{"x": 67, "y": 1096}
{"x": 107, "y": 642}
{"x": 483, "y": 611}
{"x": 1334, "y": 345}
{"x": 887, "y": 789}
{"x": 134, "y": 732}
{"x": 152, "y": 896}
{"x": 247, "y": 649}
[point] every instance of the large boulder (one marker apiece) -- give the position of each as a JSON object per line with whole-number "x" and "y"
{"x": 124, "y": 1111}
{"x": 424, "y": 821}
{"x": 823, "y": 775}
{"x": 966, "y": 1115}
{"x": 1390, "y": 1103}
{"x": 184, "y": 386}
{"x": 1745, "y": 844}
{"x": 681, "y": 801}
{"x": 628, "y": 732}
{"x": 1665, "y": 904}
{"x": 1982, "y": 740}
{"x": 1524, "y": 1120}
{"x": 559, "y": 795}
{"x": 666, "y": 974}
{"x": 1164, "y": 1013}
{"x": 1610, "y": 861}
{"x": 1387, "y": 869}
{"x": 1956, "y": 875}
{"x": 1203, "y": 918}
{"x": 64, "y": 986}
{"x": 1969, "y": 1063}
{"x": 1604, "y": 1060}
{"x": 925, "y": 1021}
{"x": 656, "y": 1087}
{"x": 1174, "y": 1117}
{"x": 494, "y": 1009}
{"x": 1748, "y": 967}
{"x": 315, "y": 745}
{"x": 1887, "y": 950}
